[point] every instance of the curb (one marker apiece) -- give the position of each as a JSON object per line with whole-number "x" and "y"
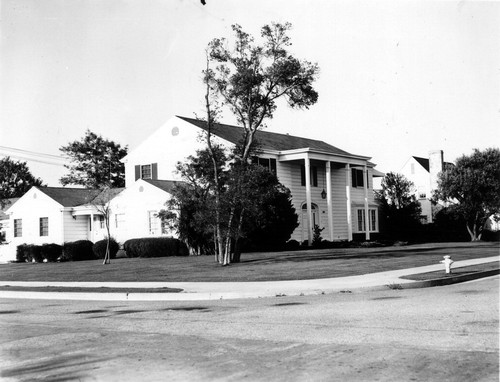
{"x": 450, "y": 280}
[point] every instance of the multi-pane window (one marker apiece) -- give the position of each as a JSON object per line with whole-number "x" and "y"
{"x": 18, "y": 227}
{"x": 119, "y": 220}
{"x": 372, "y": 213}
{"x": 269, "y": 163}
{"x": 44, "y": 226}
{"x": 146, "y": 171}
{"x": 314, "y": 175}
{"x": 153, "y": 222}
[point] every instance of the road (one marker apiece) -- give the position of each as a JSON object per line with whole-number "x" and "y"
{"x": 434, "y": 334}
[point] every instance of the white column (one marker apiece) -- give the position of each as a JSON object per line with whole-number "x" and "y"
{"x": 329, "y": 198}
{"x": 348, "y": 200}
{"x": 308, "y": 200}
{"x": 367, "y": 217}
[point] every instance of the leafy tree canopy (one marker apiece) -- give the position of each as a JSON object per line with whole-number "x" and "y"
{"x": 95, "y": 162}
{"x": 15, "y": 179}
{"x": 473, "y": 186}
{"x": 249, "y": 78}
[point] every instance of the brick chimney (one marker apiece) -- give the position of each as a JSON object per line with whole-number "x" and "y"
{"x": 436, "y": 165}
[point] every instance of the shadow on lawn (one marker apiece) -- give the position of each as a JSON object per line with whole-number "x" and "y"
{"x": 314, "y": 256}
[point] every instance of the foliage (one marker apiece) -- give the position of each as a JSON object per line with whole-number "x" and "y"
{"x": 95, "y": 162}
{"x": 78, "y": 250}
{"x": 317, "y": 239}
{"x": 248, "y": 79}
{"x": 100, "y": 247}
{"x": 15, "y": 180}
{"x": 154, "y": 247}
{"x": 102, "y": 204}
{"x": 261, "y": 209}
{"x": 399, "y": 206}
{"x": 38, "y": 253}
{"x": 472, "y": 186}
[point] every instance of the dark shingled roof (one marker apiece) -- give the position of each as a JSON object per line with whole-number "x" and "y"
{"x": 70, "y": 197}
{"x": 268, "y": 140}
{"x": 165, "y": 185}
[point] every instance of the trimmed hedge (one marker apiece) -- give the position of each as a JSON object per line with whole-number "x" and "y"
{"x": 38, "y": 253}
{"x": 99, "y": 248}
{"x": 78, "y": 251}
{"x": 155, "y": 247}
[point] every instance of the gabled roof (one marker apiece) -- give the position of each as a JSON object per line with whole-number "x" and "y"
{"x": 266, "y": 139}
{"x": 70, "y": 197}
{"x": 165, "y": 185}
{"x": 423, "y": 162}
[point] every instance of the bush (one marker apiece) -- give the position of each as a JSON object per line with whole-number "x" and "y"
{"x": 21, "y": 253}
{"x": 155, "y": 247}
{"x": 99, "y": 248}
{"x": 78, "y": 251}
{"x": 51, "y": 252}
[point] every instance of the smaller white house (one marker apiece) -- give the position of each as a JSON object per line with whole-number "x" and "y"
{"x": 58, "y": 215}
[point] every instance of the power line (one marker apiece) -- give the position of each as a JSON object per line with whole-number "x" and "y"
{"x": 32, "y": 156}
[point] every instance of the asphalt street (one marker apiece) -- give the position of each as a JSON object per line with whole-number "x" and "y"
{"x": 448, "y": 333}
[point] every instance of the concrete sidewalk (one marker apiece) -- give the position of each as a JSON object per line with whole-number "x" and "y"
{"x": 231, "y": 290}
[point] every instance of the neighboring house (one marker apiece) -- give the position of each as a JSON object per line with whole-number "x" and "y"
{"x": 423, "y": 172}
{"x": 330, "y": 187}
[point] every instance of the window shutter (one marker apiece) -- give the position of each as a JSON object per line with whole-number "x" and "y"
{"x": 273, "y": 165}
{"x": 302, "y": 175}
{"x": 360, "y": 182}
{"x": 314, "y": 176}
{"x": 353, "y": 178}
{"x": 137, "y": 172}
{"x": 154, "y": 171}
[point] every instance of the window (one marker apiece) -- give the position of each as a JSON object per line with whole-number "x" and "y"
{"x": 44, "y": 226}
{"x": 18, "y": 227}
{"x": 153, "y": 222}
{"x": 119, "y": 220}
{"x": 269, "y": 163}
{"x": 99, "y": 221}
{"x": 357, "y": 177}
{"x": 314, "y": 175}
{"x": 146, "y": 171}
{"x": 372, "y": 213}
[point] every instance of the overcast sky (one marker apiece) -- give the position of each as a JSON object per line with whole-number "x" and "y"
{"x": 398, "y": 78}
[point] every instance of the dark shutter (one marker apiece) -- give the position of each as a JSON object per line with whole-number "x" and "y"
{"x": 137, "y": 172}
{"x": 273, "y": 165}
{"x": 353, "y": 178}
{"x": 314, "y": 176}
{"x": 360, "y": 182}
{"x": 302, "y": 175}
{"x": 154, "y": 171}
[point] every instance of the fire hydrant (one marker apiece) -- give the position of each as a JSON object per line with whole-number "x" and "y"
{"x": 447, "y": 263}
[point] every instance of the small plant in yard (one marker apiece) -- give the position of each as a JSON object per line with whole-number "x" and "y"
{"x": 317, "y": 235}
{"x": 394, "y": 286}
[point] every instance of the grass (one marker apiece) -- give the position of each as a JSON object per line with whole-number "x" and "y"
{"x": 310, "y": 264}
{"x": 454, "y": 272}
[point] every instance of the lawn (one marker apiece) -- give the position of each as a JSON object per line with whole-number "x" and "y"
{"x": 310, "y": 264}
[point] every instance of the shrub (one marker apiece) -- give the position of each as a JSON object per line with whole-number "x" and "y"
{"x": 21, "y": 253}
{"x": 33, "y": 253}
{"x": 78, "y": 250}
{"x": 51, "y": 252}
{"x": 155, "y": 247}
{"x": 99, "y": 248}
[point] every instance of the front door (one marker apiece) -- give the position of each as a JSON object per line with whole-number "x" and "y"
{"x": 315, "y": 219}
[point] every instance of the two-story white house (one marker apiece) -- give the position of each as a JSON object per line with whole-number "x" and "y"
{"x": 330, "y": 187}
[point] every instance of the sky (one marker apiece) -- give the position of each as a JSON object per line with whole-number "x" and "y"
{"x": 397, "y": 78}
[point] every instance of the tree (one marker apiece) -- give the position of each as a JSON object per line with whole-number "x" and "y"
{"x": 95, "y": 162}
{"x": 264, "y": 209}
{"x": 102, "y": 204}
{"x": 472, "y": 186}
{"x": 399, "y": 205}
{"x": 249, "y": 79}
{"x": 15, "y": 180}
